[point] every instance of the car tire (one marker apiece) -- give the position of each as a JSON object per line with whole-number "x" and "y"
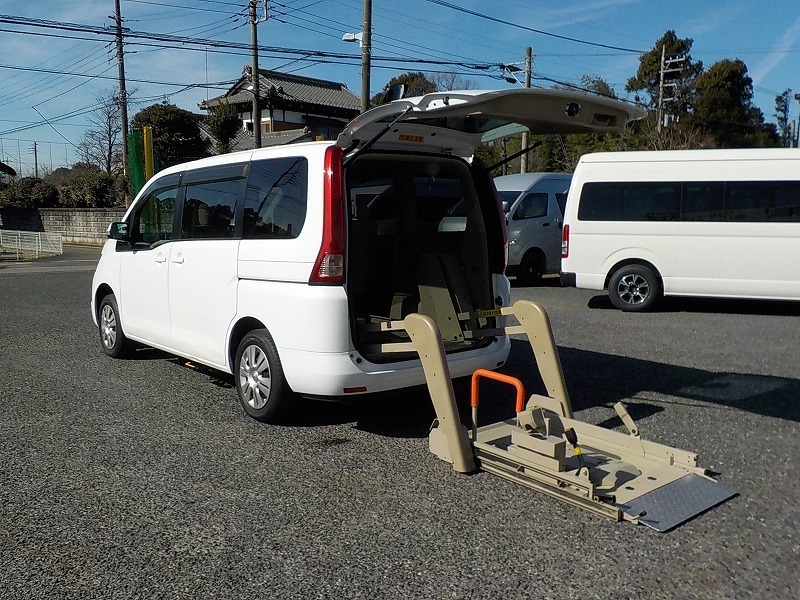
{"x": 634, "y": 288}
{"x": 260, "y": 382}
{"x": 531, "y": 269}
{"x": 112, "y": 337}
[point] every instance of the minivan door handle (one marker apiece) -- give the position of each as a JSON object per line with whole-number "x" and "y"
{"x": 545, "y": 224}
{"x": 160, "y": 258}
{"x": 178, "y": 260}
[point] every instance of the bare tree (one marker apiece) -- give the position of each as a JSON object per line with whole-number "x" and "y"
{"x": 446, "y": 82}
{"x": 101, "y": 146}
{"x": 669, "y": 138}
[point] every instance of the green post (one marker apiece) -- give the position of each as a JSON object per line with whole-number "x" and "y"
{"x": 136, "y": 162}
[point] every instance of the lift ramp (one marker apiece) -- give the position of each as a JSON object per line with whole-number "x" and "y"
{"x": 616, "y": 475}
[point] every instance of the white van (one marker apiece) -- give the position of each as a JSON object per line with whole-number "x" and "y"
{"x": 279, "y": 265}
{"x": 718, "y": 223}
{"x": 534, "y": 207}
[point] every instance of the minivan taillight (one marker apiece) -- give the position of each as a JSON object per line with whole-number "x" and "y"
{"x": 565, "y": 242}
{"x": 329, "y": 266}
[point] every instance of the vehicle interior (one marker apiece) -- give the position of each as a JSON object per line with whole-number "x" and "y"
{"x": 417, "y": 244}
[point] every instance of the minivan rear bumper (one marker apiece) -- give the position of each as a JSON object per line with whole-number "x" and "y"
{"x": 341, "y": 374}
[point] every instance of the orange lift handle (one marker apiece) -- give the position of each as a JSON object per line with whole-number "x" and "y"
{"x": 520, "y": 406}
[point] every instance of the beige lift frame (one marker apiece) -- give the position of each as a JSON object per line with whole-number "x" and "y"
{"x": 616, "y": 475}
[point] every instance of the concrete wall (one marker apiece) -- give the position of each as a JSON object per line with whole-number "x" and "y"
{"x": 85, "y": 226}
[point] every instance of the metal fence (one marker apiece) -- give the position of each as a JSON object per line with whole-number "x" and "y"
{"x": 19, "y": 245}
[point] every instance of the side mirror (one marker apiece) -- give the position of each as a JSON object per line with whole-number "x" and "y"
{"x": 395, "y": 92}
{"x": 506, "y": 206}
{"x": 118, "y": 231}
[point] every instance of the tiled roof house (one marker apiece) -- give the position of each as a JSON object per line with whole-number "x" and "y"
{"x": 292, "y": 107}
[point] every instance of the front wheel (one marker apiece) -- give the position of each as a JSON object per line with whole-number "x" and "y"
{"x": 112, "y": 338}
{"x": 634, "y": 288}
{"x": 260, "y": 382}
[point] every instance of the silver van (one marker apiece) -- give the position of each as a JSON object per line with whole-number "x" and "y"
{"x": 534, "y": 206}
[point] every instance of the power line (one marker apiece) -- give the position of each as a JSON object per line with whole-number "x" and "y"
{"x": 54, "y": 72}
{"x": 203, "y": 43}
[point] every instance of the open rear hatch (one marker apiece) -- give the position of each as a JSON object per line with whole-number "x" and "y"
{"x": 426, "y": 232}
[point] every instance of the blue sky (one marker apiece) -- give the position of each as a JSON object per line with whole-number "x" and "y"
{"x": 47, "y": 74}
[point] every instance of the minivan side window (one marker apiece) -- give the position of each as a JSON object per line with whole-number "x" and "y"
{"x": 276, "y": 198}
{"x": 531, "y": 206}
{"x": 153, "y": 220}
{"x": 209, "y": 204}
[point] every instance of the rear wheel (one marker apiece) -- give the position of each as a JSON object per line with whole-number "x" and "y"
{"x": 634, "y": 288}
{"x": 531, "y": 268}
{"x": 260, "y": 382}
{"x": 112, "y": 338}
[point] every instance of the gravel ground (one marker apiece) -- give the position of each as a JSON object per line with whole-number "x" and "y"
{"x": 143, "y": 478}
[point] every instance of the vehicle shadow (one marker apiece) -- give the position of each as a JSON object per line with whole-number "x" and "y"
{"x": 727, "y": 306}
{"x": 593, "y": 379}
{"x": 548, "y": 281}
{"x": 597, "y": 379}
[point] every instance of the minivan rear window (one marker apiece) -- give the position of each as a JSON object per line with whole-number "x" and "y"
{"x": 277, "y": 195}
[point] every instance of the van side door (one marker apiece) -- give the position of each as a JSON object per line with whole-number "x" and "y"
{"x": 144, "y": 268}
{"x": 203, "y": 262}
{"x": 529, "y": 220}
{"x": 702, "y": 229}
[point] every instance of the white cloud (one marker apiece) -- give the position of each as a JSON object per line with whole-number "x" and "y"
{"x": 779, "y": 52}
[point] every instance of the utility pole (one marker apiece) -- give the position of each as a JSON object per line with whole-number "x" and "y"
{"x": 668, "y": 65}
{"x": 661, "y": 87}
{"x": 123, "y": 95}
{"x": 366, "y": 51}
{"x": 254, "y": 77}
{"x": 35, "y": 161}
{"x": 523, "y": 164}
{"x": 796, "y": 139}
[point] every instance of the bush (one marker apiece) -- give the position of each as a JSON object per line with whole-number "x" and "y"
{"x": 29, "y": 192}
{"x": 89, "y": 188}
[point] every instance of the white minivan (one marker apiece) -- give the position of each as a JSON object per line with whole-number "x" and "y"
{"x": 534, "y": 206}
{"x": 278, "y": 265}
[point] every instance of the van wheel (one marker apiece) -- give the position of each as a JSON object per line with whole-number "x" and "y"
{"x": 259, "y": 377}
{"x": 112, "y": 338}
{"x": 531, "y": 268}
{"x": 634, "y": 288}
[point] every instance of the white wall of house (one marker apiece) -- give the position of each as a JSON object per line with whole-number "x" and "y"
{"x": 280, "y": 116}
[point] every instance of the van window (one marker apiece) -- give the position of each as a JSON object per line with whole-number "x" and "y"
{"x": 715, "y": 201}
{"x": 507, "y": 198}
{"x": 153, "y": 220}
{"x": 561, "y": 200}
{"x": 531, "y": 206}
{"x": 209, "y": 208}
{"x": 636, "y": 201}
{"x": 762, "y": 201}
{"x": 438, "y": 198}
{"x": 702, "y": 201}
{"x": 276, "y": 199}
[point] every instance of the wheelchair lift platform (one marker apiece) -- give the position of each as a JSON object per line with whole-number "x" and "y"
{"x": 616, "y": 475}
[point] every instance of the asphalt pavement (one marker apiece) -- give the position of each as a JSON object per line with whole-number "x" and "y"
{"x": 144, "y": 478}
